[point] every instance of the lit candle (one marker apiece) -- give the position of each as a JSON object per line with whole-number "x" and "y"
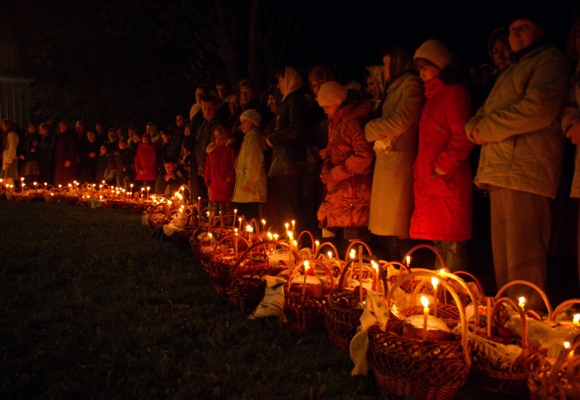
{"x": 250, "y": 230}
{"x": 147, "y": 192}
{"x": 293, "y": 226}
{"x": 570, "y": 359}
{"x": 329, "y": 255}
{"x": 131, "y": 194}
{"x": 576, "y": 320}
{"x": 198, "y": 205}
{"x": 435, "y": 283}
{"x": 235, "y": 214}
{"x": 360, "y": 274}
{"x": 263, "y": 225}
{"x": 376, "y": 268}
{"x": 236, "y": 242}
{"x": 289, "y": 234}
{"x": 425, "y": 303}
{"x": 522, "y": 302}
{"x": 408, "y": 259}
{"x": 22, "y": 182}
{"x": 306, "y": 268}
{"x": 488, "y": 311}
{"x": 316, "y": 245}
{"x": 240, "y": 223}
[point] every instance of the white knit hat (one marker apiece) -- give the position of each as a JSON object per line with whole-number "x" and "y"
{"x": 253, "y": 116}
{"x": 331, "y": 93}
{"x": 435, "y": 52}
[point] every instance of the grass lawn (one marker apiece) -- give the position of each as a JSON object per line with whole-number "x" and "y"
{"x": 92, "y": 307}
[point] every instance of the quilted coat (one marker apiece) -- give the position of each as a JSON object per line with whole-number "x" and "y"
{"x": 146, "y": 161}
{"x": 348, "y": 158}
{"x": 520, "y": 123}
{"x": 443, "y": 199}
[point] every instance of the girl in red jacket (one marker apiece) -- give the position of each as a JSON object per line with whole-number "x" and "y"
{"x": 146, "y": 163}
{"x": 220, "y": 171}
{"x": 442, "y": 173}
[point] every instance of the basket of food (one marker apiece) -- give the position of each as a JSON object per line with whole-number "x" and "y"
{"x": 224, "y": 257}
{"x": 307, "y": 289}
{"x": 421, "y": 355}
{"x": 503, "y": 358}
{"x": 346, "y": 302}
{"x": 207, "y": 241}
{"x": 247, "y": 286}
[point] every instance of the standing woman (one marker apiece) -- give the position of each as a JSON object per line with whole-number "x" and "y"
{"x": 346, "y": 169}
{"x": 395, "y": 143}
{"x": 9, "y": 171}
{"x": 288, "y": 142}
{"x": 65, "y": 155}
{"x": 442, "y": 171}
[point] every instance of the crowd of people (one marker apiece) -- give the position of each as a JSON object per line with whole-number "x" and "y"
{"x": 394, "y": 159}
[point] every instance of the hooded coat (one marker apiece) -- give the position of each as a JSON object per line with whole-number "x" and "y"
{"x": 250, "y": 170}
{"x": 220, "y": 172}
{"x": 348, "y": 159}
{"x": 392, "y": 193}
{"x": 443, "y": 198}
{"x": 146, "y": 161}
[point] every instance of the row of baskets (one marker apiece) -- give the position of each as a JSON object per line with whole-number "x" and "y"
{"x": 326, "y": 293}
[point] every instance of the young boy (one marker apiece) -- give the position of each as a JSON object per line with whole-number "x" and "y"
{"x": 220, "y": 173}
{"x": 120, "y": 161}
{"x": 250, "y": 189}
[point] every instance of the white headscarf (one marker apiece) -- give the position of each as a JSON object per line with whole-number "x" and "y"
{"x": 292, "y": 81}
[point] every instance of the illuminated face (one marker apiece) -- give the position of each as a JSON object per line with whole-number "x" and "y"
{"x": 103, "y": 150}
{"x": 372, "y": 88}
{"x": 180, "y": 120}
{"x": 234, "y": 105}
{"x": 331, "y": 109}
{"x": 170, "y": 166}
{"x": 387, "y": 67}
{"x": 500, "y": 55}
{"x": 428, "y": 72}
{"x": 62, "y": 128}
{"x": 272, "y": 103}
{"x": 199, "y": 93}
{"x": 219, "y": 138}
{"x": 209, "y": 109}
{"x": 122, "y": 145}
{"x": 246, "y": 94}
{"x": 165, "y": 138}
{"x": 523, "y": 33}
{"x": 315, "y": 86}
{"x": 246, "y": 125}
{"x": 222, "y": 91}
{"x": 281, "y": 85}
{"x": 31, "y": 128}
{"x": 43, "y": 131}
{"x": 146, "y": 140}
{"x": 111, "y": 135}
{"x": 91, "y": 136}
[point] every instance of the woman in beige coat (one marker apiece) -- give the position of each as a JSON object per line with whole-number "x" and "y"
{"x": 395, "y": 144}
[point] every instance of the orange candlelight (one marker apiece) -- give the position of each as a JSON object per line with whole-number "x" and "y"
{"x": 425, "y": 303}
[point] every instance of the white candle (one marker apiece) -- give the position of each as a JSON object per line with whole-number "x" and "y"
{"x": 435, "y": 283}
{"x": 425, "y": 303}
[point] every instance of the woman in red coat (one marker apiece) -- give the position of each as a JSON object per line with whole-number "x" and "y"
{"x": 346, "y": 170}
{"x": 442, "y": 172}
{"x": 146, "y": 162}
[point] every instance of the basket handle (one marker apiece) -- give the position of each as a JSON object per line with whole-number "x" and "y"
{"x": 477, "y": 282}
{"x": 264, "y": 244}
{"x": 446, "y": 285}
{"x": 358, "y": 243}
{"x": 525, "y": 335}
{"x": 327, "y": 244}
{"x": 349, "y": 266}
{"x": 385, "y": 264}
{"x": 439, "y": 275}
{"x": 560, "y": 307}
{"x": 309, "y": 234}
{"x": 301, "y": 267}
{"x": 223, "y": 239}
{"x": 530, "y": 284}
{"x": 426, "y": 246}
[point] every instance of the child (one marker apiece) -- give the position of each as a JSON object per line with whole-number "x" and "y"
{"x": 120, "y": 161}
{"x": 146, "y": 162}
{"x": 250, "y": 189}
{"x": 220, "y": 172}
{"x": 103, "y": 171}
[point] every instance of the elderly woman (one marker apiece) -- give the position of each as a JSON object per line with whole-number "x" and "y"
{"x": 346, "y": 171}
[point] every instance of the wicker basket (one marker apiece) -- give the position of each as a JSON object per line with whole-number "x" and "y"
{"x": 511, "y": 379}
{"x": 225, "y": 255}
{"x": 207, "y": 243}
{"x": 246, "y": 288}
{"x": 557, "y": 378}
{"x": 421, "y": 369}
{"x": 305, "y": 310}
{"x": 342, "y": 314}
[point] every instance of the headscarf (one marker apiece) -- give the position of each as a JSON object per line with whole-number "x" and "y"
{"x": 292, "y": 81}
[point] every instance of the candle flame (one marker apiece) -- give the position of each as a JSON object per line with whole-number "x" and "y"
{"x": 306, "y": 265}
{"x": 408, "y": 259}
{"x": 522, "y": 301}
{"x": 577, "y": 318}
{"x": 375, "y": 265}
{"x": 424, "y": 301}
{"x": 566, "y": 345}
{"x": 434, "y": 282}
{"x": 329, "y": 254}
